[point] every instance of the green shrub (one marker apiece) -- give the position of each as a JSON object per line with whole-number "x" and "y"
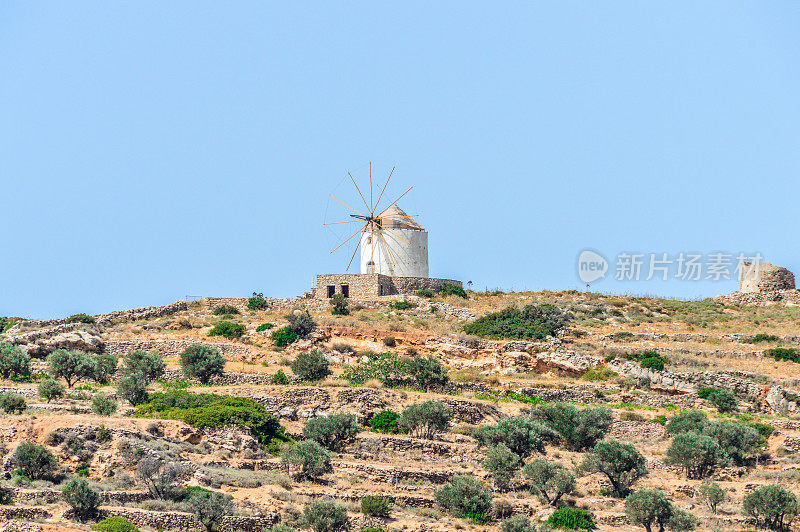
{"x": 132, "y": 388}
{"x": 50, "y": 389}
{"x": 572, "y": 519}
{"x": 578, "y": 429}
{"x": 385, "y": 367}
{"x": 654, "y": 363}
{"x": 648, "y": 507}
{"x": 228, "y": 329}
{"x": 83, "y": 499}
{"x": 425, "y": 292}
{"x": 698, "y": 454}
{"x": 115, "y": 524}
{"x": 301, "y": 323}
{"x": 332, "y": 432}
{"x": 772, "y": 507}
{"x": 783, "y": 353}
{"x": 311, "y": 365}
{"x": 403, "y": 305}
{"x": 14, "y": 362}
{"x": 148, "y": 364}
{"x": 724, "y": 400}
{"x": 283, "y": 336}
{"x": 12, "y": 403}
{"x": 620, "y": 462}
{"x": 103, "y": 405}
{"x": 257, "y": 302}
{"x": 308, "y": 458}
{"x": 686, "y": 421}
{"x": 517, "y": 523}
{"x": 385, "y": 421}
{"x": 104, "y": 367}
{"x": 599, "y": 373}
{"x": 70, "y": 365}
{"x": 389, "y": 341}
{"x": 466, "y": 497}
{"x": 339, "y": 304}
{"x": 548, "y": 480}
{"x": 265, "y": 327}
{"x": 35, "y": 461}
{"x": 427, "y": 372}
{"x": 521, "y": 434}
{"x": 712, "y": 494}
{"x": 202, "y": 362}
{"x": 81, "y": 318}
{"x": 224, "y": 309}
{"x": 325, "y": 516}
{"x": 211, "y": 410}
{"x": 532, "y": 322}
{"x": 502, "y": 464}
{"x": 376, "y": 506}
{"x": 209, "y": 507}
{"x": 761, "y": 337}
{"x": 425, "y": 419}
{"x": 450, "y": 289}
{"x": 279, "y": 378}
{"x": 706, "y": 392}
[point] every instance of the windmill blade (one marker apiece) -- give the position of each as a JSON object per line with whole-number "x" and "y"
{"x": 369, "y": 209}
{"x": 384, "y": 188}
{"x": 388, "y": 251}
{"x": 345, "y": 204}
{"x": 353, "y": 257}
{"x": 401, "y": 195}
{"x": 347, "y": 222}
{"x": 351, "y": 236}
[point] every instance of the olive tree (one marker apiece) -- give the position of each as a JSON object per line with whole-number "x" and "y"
{"x": 83, "y": 499}
{"x": 772, "y": 507}
{"x": 148, "y": 364}
{"x": 308, "y": 458}
{"x": 427, "y": 372}
{"x": 548, "y": 480}
{"x": 465, "y": 496}
{"x": 578, "y": 429}
{"x": 521, "y": 434}
{"x": 325, "y": 516}
{"x": 651, "y": 507}
{"x": 712, "y": 494}
{"x": 311, "y": 365}
{"x": 202, "y": 362}
{"x": 35, "y": 461}
{"x": 424, "y": 420}
{"x": 620, "y": 462}
{"x": 696, "y": 453}
{"x": 50, "y": 389}
{"x": 70, "y": 365}
{"x": 14, "y": 362}
{"x": 209, "y": 507}
{"x": 502, "y": 463}
{"x": 332, "y": 432}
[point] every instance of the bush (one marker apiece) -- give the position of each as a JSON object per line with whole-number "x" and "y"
{"x": 302, "y": 323}
{"x": 424, "y": 420}
{"x": 648, "y": 507}
{"x": 761, "y": 337}
{"x": 325, "y": 516}
{"x": 202, "y": 362}
{"x": 228, "y": 329}
{"x": 427, "y": 372}
{"x": 224, "y": 309}
{"x": 265, "y": 327}
{"x": 385, "y": 421}
{"x": 389, "y": 341}
{"x": 696, "y": 453}
{"x": 783, "y": 353}
{"x": 14, "y": 362}
{"x": 50, "y": 389}
{"x": 620, "y": 462}
{"x": 339, "y": 303}
{"x": 385, "y": 367}
{"x": 402, "y": 305}
{"x": 115, "y": 524}
{"x": 283, "y": 336}
{"x": 712, "y": 494}
{"x": 532, "y": 322}
{"x": 311, "y": 365}
{"x": 376, "y": 506}
{"x": 12, "y": 403}
{"x": 132, "y": 388}
{"x": 521, "y": 434}
{"x": 466, "y": 497}
{"x": 209, "y": 507}
{"x": 549, "y": 481}
{"x": 724, "y": 400}
{"x": 517, "y": 523}
{"x": 425, "y": 292}
{"x": 279, "y": 378}
{"x": 579, "y": 429}
{"x": 148, "y": 364}
{"x": 332, "y": 432}
{"x": 257, "y": 302}
{"x": 599, "y": 373}
{"x": 654, "y": 363}
{"x": 70, "y": 365}
{"x": 104, "y": 367}
{"x": 35, "y": 461}
{"x": 771, "y": 506}
{"x": 83, "y": 499}
{"x": 211, "y": 410}
{"x": 686, "y": 421}
{"x": 161, "y": 478}
{"x": 502, "y": 464}
{"x": 572, "y": 519}
{"x": 81, "y": 318}
{"x": 450, "y": 289}
{"x": 309, "y": 458}
{"x": 103, "y": 405}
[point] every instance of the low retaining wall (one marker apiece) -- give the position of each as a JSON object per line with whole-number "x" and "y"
{"x": 185, "y": 521}
{"x": 172, "y": 348}
{"x": 142, "y": 313}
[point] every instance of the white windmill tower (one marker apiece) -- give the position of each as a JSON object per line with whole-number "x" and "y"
{"x": 392, "y": 242}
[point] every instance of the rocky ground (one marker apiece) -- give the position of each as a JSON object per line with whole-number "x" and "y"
{"x": 706, "y": 343}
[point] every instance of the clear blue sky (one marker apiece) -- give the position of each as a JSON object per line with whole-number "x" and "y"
{"x": 150, "y": 150}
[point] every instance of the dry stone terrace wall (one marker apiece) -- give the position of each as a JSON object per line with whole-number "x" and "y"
{"x": 143, "y": 313}
{"x": 185, "y": 521}
{"x": 170, "y": 348}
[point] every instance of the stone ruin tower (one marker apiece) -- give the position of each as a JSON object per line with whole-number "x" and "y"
{"x": 764, "y": 277}
{"x": 398, "y": 249}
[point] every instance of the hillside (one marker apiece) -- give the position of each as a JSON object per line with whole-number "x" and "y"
{"x": 645, "y": 360}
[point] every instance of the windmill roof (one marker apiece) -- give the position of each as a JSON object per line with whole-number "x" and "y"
{"x": 398, "y": 219}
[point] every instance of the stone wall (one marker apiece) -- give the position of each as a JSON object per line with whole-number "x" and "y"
{"x": 764, "y": 277}
{"x": 142, "y": 313}
{"x": 370, "y": 286}
{"x": 170, "y": 348}
{"x": 185, "y": 521}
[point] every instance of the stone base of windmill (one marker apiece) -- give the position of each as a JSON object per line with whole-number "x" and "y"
{"x": 372, "y": 285}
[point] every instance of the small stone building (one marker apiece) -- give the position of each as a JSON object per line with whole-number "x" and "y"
{"x": 371, "y": 285}
{"x": 764, "y": 277}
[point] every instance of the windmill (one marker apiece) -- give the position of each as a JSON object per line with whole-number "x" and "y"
{"x": 391, "y": 242}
